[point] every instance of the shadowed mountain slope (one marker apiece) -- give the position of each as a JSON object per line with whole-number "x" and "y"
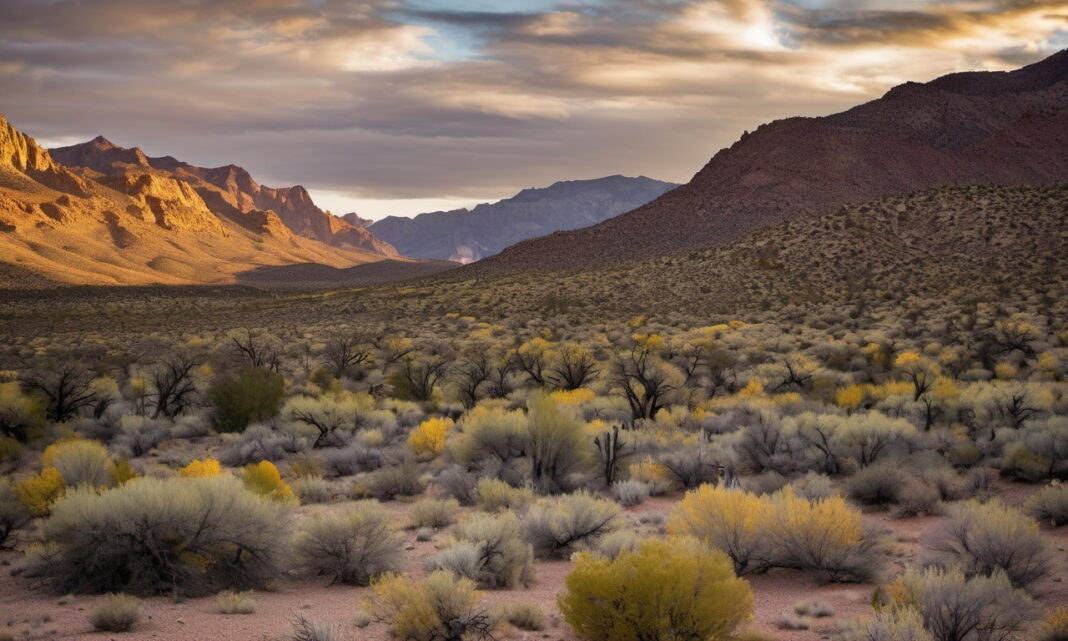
{"x": 316, "y": 276}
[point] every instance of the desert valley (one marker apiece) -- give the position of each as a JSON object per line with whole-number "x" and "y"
{"x": 818, "y": 391}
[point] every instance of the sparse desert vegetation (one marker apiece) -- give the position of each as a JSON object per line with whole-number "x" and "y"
{"x": 502, "y": 463}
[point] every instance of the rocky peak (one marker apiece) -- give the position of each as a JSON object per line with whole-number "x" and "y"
{"x": 22, "y": 154}
{"x": 355, "y": 220}
{"x": 102, "y": 143}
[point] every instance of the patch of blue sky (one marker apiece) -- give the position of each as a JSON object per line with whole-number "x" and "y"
{"x": 1057, "y": 40}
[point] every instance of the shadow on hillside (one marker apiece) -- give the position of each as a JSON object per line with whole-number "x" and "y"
{"x": 319, "y": 276}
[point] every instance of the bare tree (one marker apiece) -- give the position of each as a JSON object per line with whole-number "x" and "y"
{"x": 418, "y": 376}
{"x": 173, "y": 386}
{"x": 325, "y": 415}
{"x": 345, "y": 354}
{"x": 473, "y": 371}
{"x": 532, "y": 362}
{"x": 1012, "y": 336}
{"x": 573, "y": 367}
{"x": 67, "y": 390}
{"x": 794, "y": 377}
{"x": 257, "y": 349}
{"x": 498, "y": 381}
{"x": 1016, "y": 407}
{"x": 644, "y": 382}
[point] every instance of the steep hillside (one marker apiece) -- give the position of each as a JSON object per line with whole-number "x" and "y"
{"x": 228, "y": 191}
{"x": 124, "y": 227}
{"x": 969, "y": 245}
{"x": 1008, "y": 128}
{"x": 468, "y": 235}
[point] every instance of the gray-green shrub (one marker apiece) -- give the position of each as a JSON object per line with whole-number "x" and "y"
{"x": 504, "y": 559}
{"x": 889, "y": 625}
{"x": 984, "y": 538}
{"x": 1050, "y": 504}
{"x": 878, "y": 484}
{"x": 312, "y": 489}
{"x": 523, "y": 616}
{"x": 115, "y": 613}
{"x": 558, "y": 446}
{"x": 230, "y": 602}
{"x": 82, "y": 462}
{"x": 351, "y": 546}
{"x": 188, "y": 535}
{"x": 955, "y": 607}
{"x": 495, "y": 495}
{"x": 305, "y": 629}
{"x": 434, "y": 513}
{"x": 398, "y": 480}
{"x": 459, "y": 484}
{"x": 13, "y": 514}
{"x": 814, "y": 486}
{"x": 615, "y": 543}
{"x": 557, "y": 527}
{"x": 262, "y": 443}
{"x": 630, "y": 492}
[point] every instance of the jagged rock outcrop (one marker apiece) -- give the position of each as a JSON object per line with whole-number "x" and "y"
{"x": 171, "y": 204}
{"x": 356, "y": 220}
{"x": 229, "y": 191}
{"x": 22, "y": 154}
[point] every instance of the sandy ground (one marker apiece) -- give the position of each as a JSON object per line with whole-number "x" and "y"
{"x": 29, "y": 612}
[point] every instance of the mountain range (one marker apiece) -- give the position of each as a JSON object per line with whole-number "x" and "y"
{"x": 227, "y": 191}
{"x": 97, "y": 213}
{"x": 1001, "y": 128}
{"x": 465, "y": 235}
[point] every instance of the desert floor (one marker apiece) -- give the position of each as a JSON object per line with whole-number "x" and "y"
{"x": 29, "y": 611}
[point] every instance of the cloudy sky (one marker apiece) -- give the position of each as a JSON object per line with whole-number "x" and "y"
{"x": 401, "y": 106}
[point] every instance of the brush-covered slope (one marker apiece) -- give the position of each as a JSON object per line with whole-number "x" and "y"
{"x": 467, "y": 235}
{"x": 970, "y": 243}
{"x": 1007, "y": 128}
{"x": 229, "y": 191}
{"x": 132, "y": 227}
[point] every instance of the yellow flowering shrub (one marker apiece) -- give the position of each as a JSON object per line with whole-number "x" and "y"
{"x": 676, "y": 589}
{"x": 752, "y": 388}
{"x": 729, "y": 520}
{"x": 264, "y": 478}
{"x": 38, "y": 493}
{"x": 428, "y": 439}
{"x": 758, "y": 532}
{"x": 850, "y": 397}
{"x": 573, "y": 397}
{"x": 198, "y": 468}
{"x": 441, "y": 606}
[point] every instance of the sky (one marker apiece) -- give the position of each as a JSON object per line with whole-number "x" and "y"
{"x": 403, "y": 106}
